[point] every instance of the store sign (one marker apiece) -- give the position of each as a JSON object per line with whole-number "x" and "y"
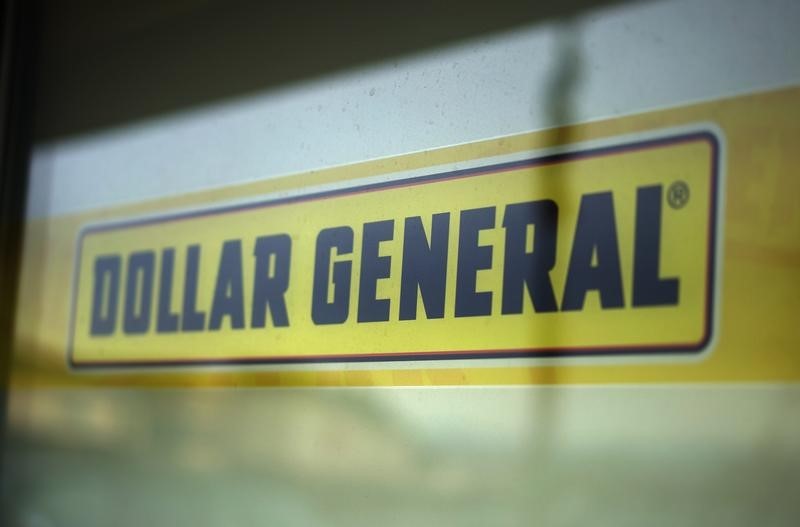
{"x": 596, "y": 249}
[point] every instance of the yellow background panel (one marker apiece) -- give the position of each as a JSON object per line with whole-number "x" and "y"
{"x": 685, "y": 253}
{"x": 759, "y": 284}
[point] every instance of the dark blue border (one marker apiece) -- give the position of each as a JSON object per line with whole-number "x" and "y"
{"x": 703, "y": 135}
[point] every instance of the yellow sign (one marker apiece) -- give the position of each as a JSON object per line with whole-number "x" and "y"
{"x": 649, "y": 248}
{"x": 604, "y": 248}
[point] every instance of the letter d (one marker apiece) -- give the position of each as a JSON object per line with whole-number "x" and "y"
{"x": 106, "y": 294}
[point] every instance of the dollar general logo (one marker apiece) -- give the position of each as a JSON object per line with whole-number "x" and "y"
{"x": 597, "y": 250}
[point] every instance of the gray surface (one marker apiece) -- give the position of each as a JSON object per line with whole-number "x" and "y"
{"x": 621, "y": 60}
{"x": 709, "y": 455}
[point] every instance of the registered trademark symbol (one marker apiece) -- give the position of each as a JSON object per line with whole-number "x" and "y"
{"x": 678, "y": 195}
